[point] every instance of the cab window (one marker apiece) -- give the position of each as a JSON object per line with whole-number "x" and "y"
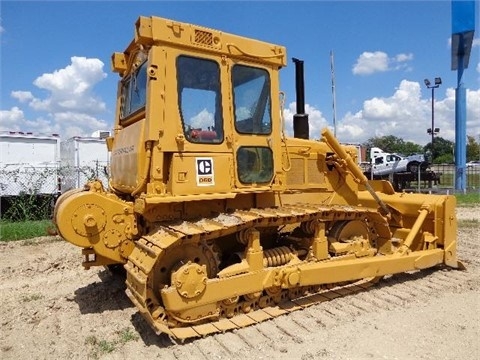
{"x": 378, "y": 160}
{"x": 134, "y": 90}
{"x": 200, "y": 99}
{"x": 255, "y": 164}
{"x": 251, "y": 95}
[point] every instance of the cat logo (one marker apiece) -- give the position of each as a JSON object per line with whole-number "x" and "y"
{"x": 204, "y": 170}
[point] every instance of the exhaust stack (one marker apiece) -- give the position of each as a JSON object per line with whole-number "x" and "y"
{"x": 300, "y": 119}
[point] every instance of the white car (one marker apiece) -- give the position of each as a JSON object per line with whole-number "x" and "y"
{"x": 473, "y": 164}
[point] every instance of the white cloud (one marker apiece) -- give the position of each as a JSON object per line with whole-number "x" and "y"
{"x": 407, "y": 115}
{"x": 478, "y": 67}
{"x": 403, "y": 57}
{"x": 70, "y": 88}
{"x": 369, "y": 63}
{"x": 379, "y": 61}
{"x": 473, "y": 112}
{"x": 71, "y": 107}
{"x": 202, "y": 120}
{"x": 22, "y": 96}
{"x": 15, "y": 120}
{"x": 315, "y": 118}
{"x": 10, "y": 120}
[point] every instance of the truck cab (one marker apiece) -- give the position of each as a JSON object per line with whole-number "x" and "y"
{"x": 383, "y": 163}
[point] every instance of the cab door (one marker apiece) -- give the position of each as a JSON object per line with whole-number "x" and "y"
{"x": 253, "y": 126}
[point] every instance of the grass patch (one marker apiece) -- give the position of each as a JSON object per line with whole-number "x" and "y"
{"x": 101, "y": 347}
{"x": 106, "y": 347}
{"x": 126, "y": 335}
{"x": 468, "y": 199}
{"x": 31, "y": 297}
{"x": 448, "y": 180}
{"x": 11, "y": 231}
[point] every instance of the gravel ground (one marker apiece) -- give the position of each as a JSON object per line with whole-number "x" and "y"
{"x": 53, "y": 309}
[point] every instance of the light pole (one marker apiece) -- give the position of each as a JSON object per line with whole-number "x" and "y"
{"x": 433, "y": 130}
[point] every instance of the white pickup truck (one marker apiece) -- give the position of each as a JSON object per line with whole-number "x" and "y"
{"x": 383, "y": 163}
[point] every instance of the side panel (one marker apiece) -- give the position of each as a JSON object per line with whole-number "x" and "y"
{"x": 128, "y": 157}
{"x": 205, "y": 173}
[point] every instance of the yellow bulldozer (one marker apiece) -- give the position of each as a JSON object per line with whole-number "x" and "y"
{"x": 219, "y": 219}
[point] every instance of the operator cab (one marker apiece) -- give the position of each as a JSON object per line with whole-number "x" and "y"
{"x": 194, "y": 113}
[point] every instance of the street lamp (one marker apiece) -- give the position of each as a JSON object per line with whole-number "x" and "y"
{"x": 433, "y": 130}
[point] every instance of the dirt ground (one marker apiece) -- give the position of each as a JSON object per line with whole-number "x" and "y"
{"x": 53, "y": 309}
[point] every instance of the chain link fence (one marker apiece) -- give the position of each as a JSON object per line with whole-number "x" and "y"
{"x": 30, "y": 192}
{"x": 446, "y": 173}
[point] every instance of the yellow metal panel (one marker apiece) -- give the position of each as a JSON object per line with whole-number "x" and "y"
{"x": 201, "y": 174}
{"x": 119, "y": 62}
{"x": 296, "y": 175}
{"x": 128, "y": 157}
{"x": 150, "y": 30}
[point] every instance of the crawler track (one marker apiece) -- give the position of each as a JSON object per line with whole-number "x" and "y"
{"x": 157, "y": 247}
{"x": 292, "y": 334}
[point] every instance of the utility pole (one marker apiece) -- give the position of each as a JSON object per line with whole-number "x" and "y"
{"x": 332, "y": 68}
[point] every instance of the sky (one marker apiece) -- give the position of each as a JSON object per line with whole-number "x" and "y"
{"x": 56, "y": 77}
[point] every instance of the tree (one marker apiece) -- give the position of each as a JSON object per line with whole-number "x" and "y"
{"x": 473, "y": 149}
{"x": 443, "y": 150}
{"x": 393, "y": 144}
{"x": 411, "y": 148}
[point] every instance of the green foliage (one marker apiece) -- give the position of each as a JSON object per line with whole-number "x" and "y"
{"x": 468, "y": 198}
{"x": 99, "y": 347}
{"x": 102, "y": 347}
{"x": 445, "y": 159}
{"x": 10, "y": 231}
{"x": 29, "y": 207}
{"x": 441, "y": 147}
{"x": 126, "y": 335}
{"x": 393, "y": 144}
{"x": 473, "y": 148}
{"x": 105, "y": 346}
{"x": 31, "y": 297}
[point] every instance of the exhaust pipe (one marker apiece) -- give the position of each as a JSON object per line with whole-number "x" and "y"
{"x": 300, "y": 119}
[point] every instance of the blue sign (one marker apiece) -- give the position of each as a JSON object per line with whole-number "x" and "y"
{"x": 463, "y": 28}
{"x": 463, "y": 16}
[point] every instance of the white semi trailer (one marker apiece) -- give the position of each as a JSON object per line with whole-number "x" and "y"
{"x": 28, "y": 163}
{"x": 84, "y": 159}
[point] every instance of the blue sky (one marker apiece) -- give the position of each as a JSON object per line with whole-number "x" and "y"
{"x": 56, "y": 78}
